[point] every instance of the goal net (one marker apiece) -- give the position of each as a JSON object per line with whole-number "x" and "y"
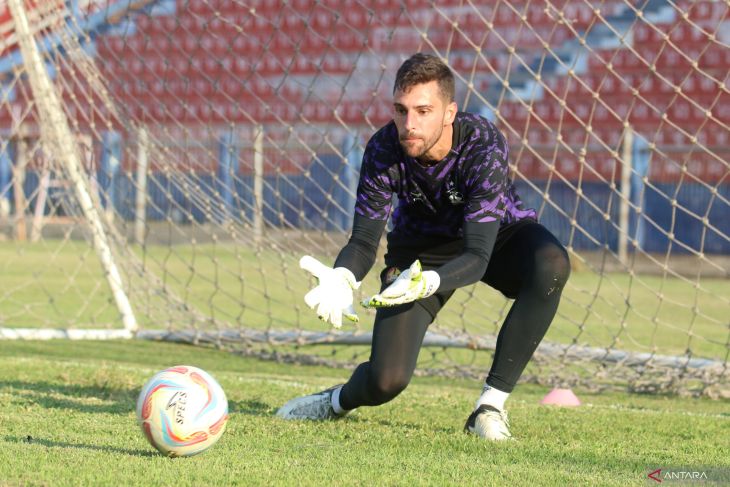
{"x": 164, "y": 164}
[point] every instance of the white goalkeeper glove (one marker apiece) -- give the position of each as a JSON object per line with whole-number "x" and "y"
{"x": 332, "y": 297}
{"x": 412, "y": 284}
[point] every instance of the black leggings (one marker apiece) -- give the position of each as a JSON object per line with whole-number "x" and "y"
{"x": 528, "y": 264}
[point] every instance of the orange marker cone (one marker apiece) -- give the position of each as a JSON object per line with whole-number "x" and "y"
{"x": 561, "y": 397}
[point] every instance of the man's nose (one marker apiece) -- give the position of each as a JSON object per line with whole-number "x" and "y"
{"x": 410, "y": 122}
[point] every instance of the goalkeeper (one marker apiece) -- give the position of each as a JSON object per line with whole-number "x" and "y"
{"x": 458, "y": 221}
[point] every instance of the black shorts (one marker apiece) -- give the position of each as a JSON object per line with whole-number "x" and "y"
{"x": 435, "y": 252}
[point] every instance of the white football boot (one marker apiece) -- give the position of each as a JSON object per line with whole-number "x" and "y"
{"x": 315, "y": 406}
{"x": 489, "y": 423}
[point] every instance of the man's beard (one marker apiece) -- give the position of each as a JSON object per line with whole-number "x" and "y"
{"x": 427, "y": 145}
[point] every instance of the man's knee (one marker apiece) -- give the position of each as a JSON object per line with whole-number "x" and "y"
{"x": 552, "y": 268}
{"x": 386, "y": 385}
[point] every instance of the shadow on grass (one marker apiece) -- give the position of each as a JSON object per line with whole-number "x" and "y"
{"x": 28, "y": 440}
{"x": 251, "y": 407}
{"x": 402, "y": 424}
{"x": 115, "y": 400}
{"x": 72, "y": 396}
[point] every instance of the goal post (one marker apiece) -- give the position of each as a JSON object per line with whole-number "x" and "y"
{"x": 61, "y": 143}
{"x": 165, "y": 164}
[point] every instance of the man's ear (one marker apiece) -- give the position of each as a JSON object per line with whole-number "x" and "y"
{"x": 450, "y": 113}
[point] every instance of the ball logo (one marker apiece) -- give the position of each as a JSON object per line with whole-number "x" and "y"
{"x": 177, "y": 403}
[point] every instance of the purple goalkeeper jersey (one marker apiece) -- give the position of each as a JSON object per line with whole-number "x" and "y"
{"x": 470, "y": 184}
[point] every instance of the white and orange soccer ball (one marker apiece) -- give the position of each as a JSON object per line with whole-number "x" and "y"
{"x": 182, "y": 411}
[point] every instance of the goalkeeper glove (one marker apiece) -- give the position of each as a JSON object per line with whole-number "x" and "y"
{"x": 332, "y": 297}
{"x": 412, "y": 284}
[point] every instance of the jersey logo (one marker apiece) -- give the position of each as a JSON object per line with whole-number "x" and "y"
{"x": 417, "y": 196}
{"x": 455, "y": 198}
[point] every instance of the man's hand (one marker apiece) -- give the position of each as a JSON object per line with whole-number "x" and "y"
{"x": 332, "y": 297}
{"x": 412, "y": 284}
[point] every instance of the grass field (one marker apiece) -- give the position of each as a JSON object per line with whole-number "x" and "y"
{"x": 68, "y": 418}
{"x": 54, "y": 284}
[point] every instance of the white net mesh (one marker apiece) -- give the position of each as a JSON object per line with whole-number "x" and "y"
{"x": 221, "y": 140}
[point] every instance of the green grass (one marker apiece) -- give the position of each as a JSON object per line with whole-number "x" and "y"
{"x": 50, "y": 284}
{"x": 68, "y": 418}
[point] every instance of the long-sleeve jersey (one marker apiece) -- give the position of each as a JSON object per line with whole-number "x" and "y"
{"x": 467, "y": 195}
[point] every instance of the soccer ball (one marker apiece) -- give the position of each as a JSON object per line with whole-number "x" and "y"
{"x": 182, "y": 411}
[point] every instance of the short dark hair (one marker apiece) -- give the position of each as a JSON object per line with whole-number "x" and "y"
{"x": 424, "y": 68}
